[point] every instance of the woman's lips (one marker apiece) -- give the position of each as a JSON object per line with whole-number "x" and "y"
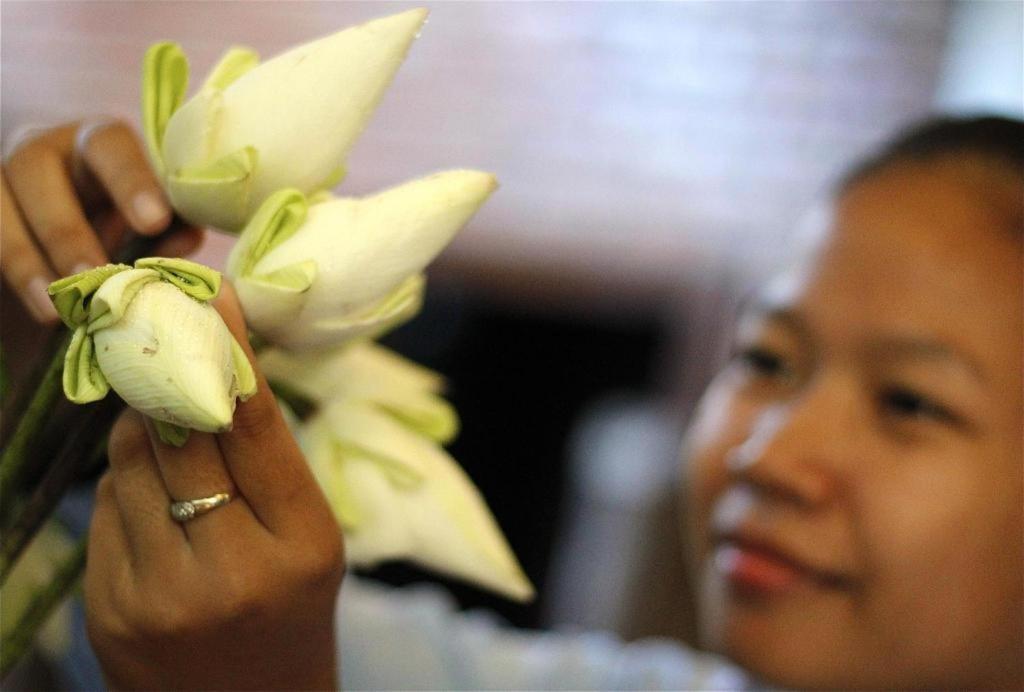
{"x": 760, "y": 570}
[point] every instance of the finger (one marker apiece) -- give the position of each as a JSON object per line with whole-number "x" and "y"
{"x": 197, "y": 470}
{"x": 38, "y": 177}
{"x": 113, "y": 153}
{"x": 109, "y": 557}
{"x": 21, "y": 262}
{"x": 261, "y": 453}
{"x": 142, "y": 500}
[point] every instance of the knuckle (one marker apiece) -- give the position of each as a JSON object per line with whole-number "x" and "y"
{"x": 322, "y": 561}
{"x": 26, "y": 155}
{"x": 19, "y": 265}
{"x": 242, "y": 598}
{"x": 105, "y": 488}
{"x": 165, "y": 617}
{"x": 60, "y": 231}
{"x": 255, "y": 417}
{"x": 128, "y": 437}
{"x": 104, "y": 627}
{"x": 105, "y": 619}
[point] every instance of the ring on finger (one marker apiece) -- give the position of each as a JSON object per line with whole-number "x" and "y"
{"x": 186, "y": 510}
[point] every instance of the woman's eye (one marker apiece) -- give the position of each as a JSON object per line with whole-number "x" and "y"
{"x": 764, "y": 362}
{"x": 906, "y": 403}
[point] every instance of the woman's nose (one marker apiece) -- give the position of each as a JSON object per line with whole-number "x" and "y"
{"x": 792, "y": 451}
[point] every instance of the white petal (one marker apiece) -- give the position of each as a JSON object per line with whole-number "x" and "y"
{"x": 301, "y": 111}
{"x": 190, "y": 137}
{"x": 360, "y": 368}
{"x": 368, "y": 372}
{"x": 441, "y": 522}
{"x": 366, "y": 247}
{"x": 170, "y": 358}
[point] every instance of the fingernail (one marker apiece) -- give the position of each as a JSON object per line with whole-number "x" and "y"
{"x": 38, "y": 301}
{"x": 150, "y": 211}
{"x": 81, "y": 267}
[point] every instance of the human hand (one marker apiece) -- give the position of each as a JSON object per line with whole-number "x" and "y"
{"x": 68, "y": 206}
{"x": 241, "y": 597}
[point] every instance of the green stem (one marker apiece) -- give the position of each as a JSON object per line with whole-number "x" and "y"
{"x": 5, "y": 380}
{"x": 18, "y": 462}
{"x": 25, "y": 454}
{"x": 62, "y": 472}
{"x": 16, "y": 644}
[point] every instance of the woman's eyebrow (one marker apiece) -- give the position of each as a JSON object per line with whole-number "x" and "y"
{"x": 765, "y": 305}
{"x": 913, "y": 348}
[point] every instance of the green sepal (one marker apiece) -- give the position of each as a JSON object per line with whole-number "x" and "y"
{"x": 332, "y": 179}
{"x": 164, "y": 83}
{"x": 72, "y": 295}
{"x": 195, "y": 280}
{"x": 295, "y": 278}
{"x": 233, "y": 64}
{"x": 395, "y": 470}
{"x": 216, "y": 194}
{"x": 438, "y": 421}
{"x": 115, "y": 295}
{"x": 83, "y": 380}
{"x": 171, "y": 434}
{"x": 344, "y": 500}
{"x": 245, "y": 378}
{"x": 277, "y": 219}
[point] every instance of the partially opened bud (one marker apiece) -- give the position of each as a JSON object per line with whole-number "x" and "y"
{"x": 398, "y": 495}
{"x": 315, "y": 274}
{"x": 149, "y": 333}
{"x": 253, "y": 129}
{"x": 369, "y": 373}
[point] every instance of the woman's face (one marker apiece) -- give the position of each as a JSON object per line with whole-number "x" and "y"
{"x": 855, "y": 472}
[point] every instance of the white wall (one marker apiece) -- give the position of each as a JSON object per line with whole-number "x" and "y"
{"x": 983, "y": 68}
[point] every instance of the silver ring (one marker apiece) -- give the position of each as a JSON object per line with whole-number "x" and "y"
{"x": 186, "y": 510}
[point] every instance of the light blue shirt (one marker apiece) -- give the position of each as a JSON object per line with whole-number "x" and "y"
{"x": 415, "y": 639}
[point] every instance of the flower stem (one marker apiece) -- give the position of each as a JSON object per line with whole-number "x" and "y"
{"x": 25, "y": 453}
{"x": 19, "y": 641}
{"x": 65, "y": 469}
{"x": 18, "y": 461}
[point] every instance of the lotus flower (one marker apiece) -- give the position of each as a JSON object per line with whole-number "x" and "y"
{"x": 315, "y": 273}
{"x": 253, "y": 129}
{"x": 149, "y": 333}
{"x": 370, "y": 374}
{"x": 398, "y": 495}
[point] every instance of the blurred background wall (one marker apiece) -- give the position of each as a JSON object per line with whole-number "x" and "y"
{"x": 655, "y": 159}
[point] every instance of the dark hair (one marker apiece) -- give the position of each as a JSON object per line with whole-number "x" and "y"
{"x": 999, "y": 140}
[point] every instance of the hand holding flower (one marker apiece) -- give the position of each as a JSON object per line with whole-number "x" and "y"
{"x": 239, "y": 598}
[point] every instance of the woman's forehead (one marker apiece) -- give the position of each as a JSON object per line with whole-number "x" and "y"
{"x": 907, "y": 256}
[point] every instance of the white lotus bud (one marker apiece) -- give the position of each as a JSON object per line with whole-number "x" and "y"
{"x": 149, "y": 334}
{"x": 315, "y": 274}
{"x": 398, "y": 495}
{"x": 372, "y": 374}
{"x": 170, "y": 357}
{"x": 253, "y": 129}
